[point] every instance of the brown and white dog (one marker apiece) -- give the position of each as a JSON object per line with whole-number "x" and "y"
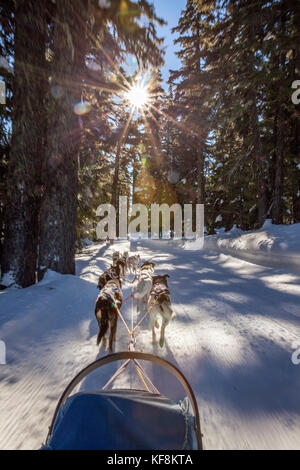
{"x": 106, "y": 313}
{"x": 111, "y": 273}
{"x": 144, "y": 284}
{"x": 159, "y": 305}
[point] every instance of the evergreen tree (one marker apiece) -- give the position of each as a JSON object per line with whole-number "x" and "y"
{"x": 24, "y": 173}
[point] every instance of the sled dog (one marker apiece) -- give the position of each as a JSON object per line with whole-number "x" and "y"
{"x": 106, "y": 313}
{"x": 115, "y": 257}
{"x": 133, "y": 262}
{"x": 159, "y": 305}
{"x": 111, "y": 273}
{"x": 144, "y": 284}
{"x": 123, "y": 260}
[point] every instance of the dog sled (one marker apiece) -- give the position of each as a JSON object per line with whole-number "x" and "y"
{"x": 110, "y": 418}
{"x": 125, "y": 419}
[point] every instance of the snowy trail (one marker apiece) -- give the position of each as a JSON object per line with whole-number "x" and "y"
{"x": 232, "y": 338}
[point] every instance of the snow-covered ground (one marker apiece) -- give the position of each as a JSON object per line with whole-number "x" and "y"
{"x": 272, "y": 245}
{"x": 237, "y": 326}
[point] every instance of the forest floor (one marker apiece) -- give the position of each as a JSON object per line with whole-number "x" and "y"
{"x": 235, "y": 332}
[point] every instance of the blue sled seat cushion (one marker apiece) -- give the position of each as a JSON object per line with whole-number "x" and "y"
{"x": 120, "y": 420}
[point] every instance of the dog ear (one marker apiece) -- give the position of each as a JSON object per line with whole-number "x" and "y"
{"x": 166, "y": 275}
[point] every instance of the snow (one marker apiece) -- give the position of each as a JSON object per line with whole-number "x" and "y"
{"x": 8, "y": 279}
{"x": 235, "y": 339}
{"x": 51, "y": 276}
{"x": 272, "y": 245}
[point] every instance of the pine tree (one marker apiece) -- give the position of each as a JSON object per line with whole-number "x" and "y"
{"x": 60, "y": 171}
{"x": 25, "y": 160}
{"x": 191, "y": 89}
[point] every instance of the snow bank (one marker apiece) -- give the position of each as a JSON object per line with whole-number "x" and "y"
{"x": 50, "y": 276}
{"x": 194, "y": 245}
{"x": 272, "y": 245}
{"x": 8, "y": 280}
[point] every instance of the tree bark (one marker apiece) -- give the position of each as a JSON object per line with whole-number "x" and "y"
{"x": 296, "y": 140}
{"x": 260, "y": 164}
{"x": 279, "y": 142}
{"x": 59, "y": 205}
{"x": 27, "y": 147}
{"x": 201, "y": 177}
{"x": 277, "y": 198}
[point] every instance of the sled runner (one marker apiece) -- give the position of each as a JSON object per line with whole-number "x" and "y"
{"x": 125, "y": 419}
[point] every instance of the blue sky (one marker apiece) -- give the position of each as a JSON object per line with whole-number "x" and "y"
{"x": 170, "y": 11}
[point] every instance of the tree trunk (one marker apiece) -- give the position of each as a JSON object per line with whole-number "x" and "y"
{"x": 60, "y": 172}
{"x": 115, "y": 186}
{"x": 296, "y": 140}
{"x": 200, "y": 150}
{"x": 27, "y": 146}
{"x": 259, "y": 160}
{"x": 201, "y": 177}
{"x": 277, "y": 198}
{"x": 279, "y": 144}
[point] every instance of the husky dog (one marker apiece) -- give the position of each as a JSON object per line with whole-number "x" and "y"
{"x": 106, "y": 313}
{"x": 115, "y": 257}
{"x": 144, "y": 284}
{"x": 159, "y": 305}
{"x": 125, "y": 256}
{"x": 123, "y": 263}
{"x": 111, "y": 273}
{"x": 133, "y": 262}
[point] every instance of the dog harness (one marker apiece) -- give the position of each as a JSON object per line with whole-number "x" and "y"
{"x": 110, "y": 297}
{"x": 159, "y": 289}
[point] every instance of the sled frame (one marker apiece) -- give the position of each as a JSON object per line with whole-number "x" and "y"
{"x": 134, "y": 356}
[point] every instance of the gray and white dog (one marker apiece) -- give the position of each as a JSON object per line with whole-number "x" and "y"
{"x": 159, "y": 305}
{"x": 133, "y": 262}
{"x": 144, "y": 285}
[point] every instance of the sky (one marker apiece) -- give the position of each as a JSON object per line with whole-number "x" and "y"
{"x": 170, "y": 11}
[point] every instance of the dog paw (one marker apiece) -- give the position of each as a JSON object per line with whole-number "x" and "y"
{"x": 161, "y": 343}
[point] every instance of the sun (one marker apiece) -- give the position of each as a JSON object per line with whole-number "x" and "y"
{"x": 138, "y": 96}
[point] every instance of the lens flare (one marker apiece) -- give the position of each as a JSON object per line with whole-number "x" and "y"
{"x": 138, "y": 96}
{"x": 82, "y": 108}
